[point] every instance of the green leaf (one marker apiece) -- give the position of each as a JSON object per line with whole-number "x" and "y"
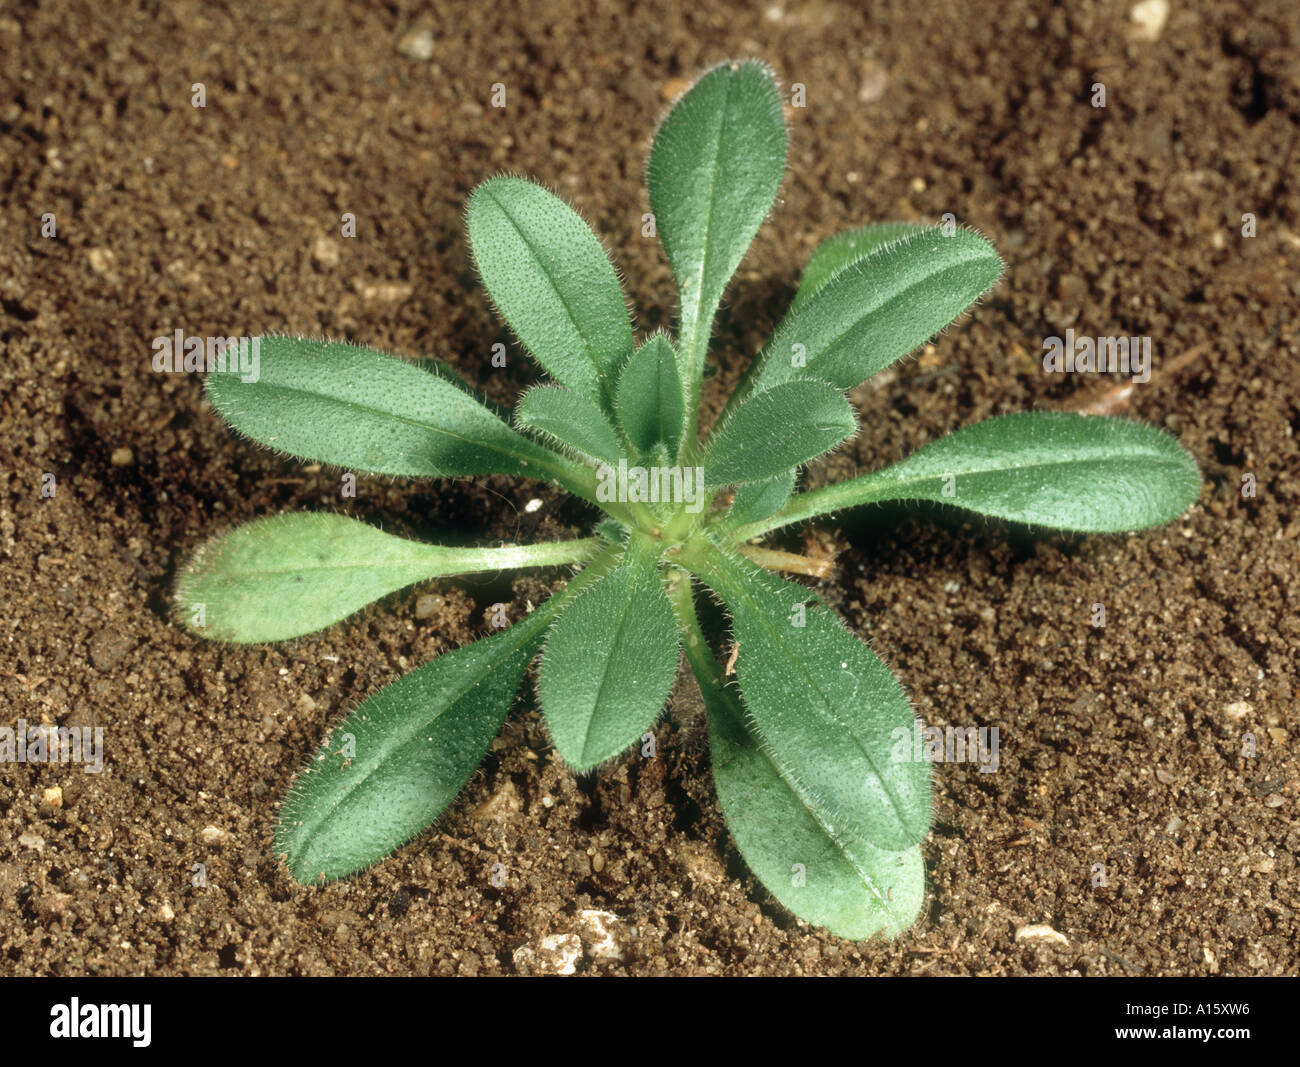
{"x": 397, "y": 761}
{"x": 879, "y": 308}
{"x": 1054, "y": 469}
{"x": 776, "y": 430}
{"x": 822, "y": 704}
{"x": 444, "y": 370}
{"x": 401, "y": 757}
{"x": 845, "y": 883}
{"x": 758, "y": 500}
{"x": 570, "y": 419}
{"x": 290, "y": 575}
{"x": 836, "y": 253}
{"x": 609, "y": 663}
{"x": 364, "y": 411}
{"x": 552, "y": 282}
{"x": 650, "y": 398}
{"x": 715, "y": 168}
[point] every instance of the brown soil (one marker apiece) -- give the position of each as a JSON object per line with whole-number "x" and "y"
{"x": 1121, "y": 746}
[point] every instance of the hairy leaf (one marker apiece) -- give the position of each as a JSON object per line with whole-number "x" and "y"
{"x": 364, "y": 411}
{"x": 552, "y": 282}
{"x": 397, "y": 761}
{"x": 880, "y": 307}
{"x": 801, "y": 855}
{"x": 758, "y": 500}
{"x": 715, "y": 168}
{"x": 836, "y": 253}
{"x": 650, "y": 398}
{"x": 571, "y": 419}
{"x": 776, "y": 430}
{"x": 822, "y": 704}
{"x": 609, "y": 663}
{"x": 289, "y": 575}
{"x": 1054, "y": 469}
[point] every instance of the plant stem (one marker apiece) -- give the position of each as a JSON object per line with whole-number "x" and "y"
{"x": 707, "y": 670}
{"x": 512, "y": 557}
{"x": 865, "y": 489}
{"x": 775, "y": 560}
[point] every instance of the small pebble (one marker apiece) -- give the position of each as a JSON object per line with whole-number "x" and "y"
{"x": 596, "y": 929}
{"x": 101, "y": 260}
{"x": 427, "y": 606}
{"x": 214, "y": 835}
{"x": 325, "y": 253}
{"x": 1040, "y": 932}
{"x": 874, "y": 80}
{"x": 54, "y": 796}
{"x": 673, "y": 88}
{"x": 122, "y": 457}
{"x": 553, "y": 954}
{"x": 1148, "y": 18}
{"x": 417, "y": 44}
{"x": 1263, "y": 864}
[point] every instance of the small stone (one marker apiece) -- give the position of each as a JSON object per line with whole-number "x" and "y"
{"x": 598, "y": 863}
{"x": 53, "y": 797}
{"x": 305, "y": 703}
{"x": 874, "y": 80}
{"x": 122, "y": 457}
{"x": 214, "y": 835}
{"x": 500, "y": 804}
{"x": 325, "y": 252}
{"x": 1239, "y": 710}
{"x": 101, "y": 260}
{"x": 427, "y": 606}
{"x": 596, "y": 930}
{"x": 1263, "y": 864}
{"x": 1274, "y": 801}
{"x": 1148, "y": 18}
{"x": 417, "y": 43}
{"x": 165, "y": 912}
{"x": 31, "y": 840}
{"x": 673, "y": 88}
{"x": 384, "y": 292}
{"x": 1040, "y": 932}
{"x": 553, "y": 954}
{"x": 1173, "y": 826}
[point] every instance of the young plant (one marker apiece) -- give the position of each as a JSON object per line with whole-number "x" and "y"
{"x": 803, "y": 736}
